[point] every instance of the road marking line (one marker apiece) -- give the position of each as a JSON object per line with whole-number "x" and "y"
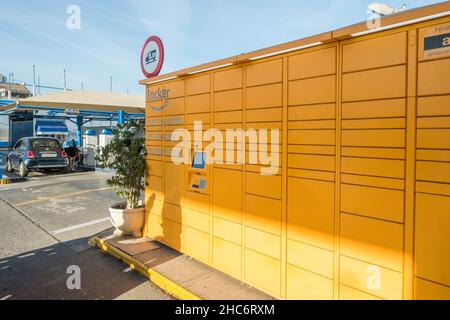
{"x": 57, "y": 197}
{"x": 79, "y": 226}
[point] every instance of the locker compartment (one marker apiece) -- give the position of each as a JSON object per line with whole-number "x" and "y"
{"x": 227, "y": 230}
{"x": 348, "y": 293}
{"x": 384, "y": 83}
{"x": 433, "y": 122}
{"x": 311, "y": 162}
{"x": 433, "y": 106}
{"x": 313, "y": 175}
{"x": 318, "y": 137}
{"x": 374, "y": 109}
{"x": 325, "y": 150}
{"x": 433, "y": 171}
{"x": 228, "y": 117}
{"x": 173, "y": 182}
{"x": 373, "y": 241}
{"x": 374, "y": 167}
{"x": 194, "y": 219}
{"x": 388, "y": 183}
{"x": 433, "y": 138}
{"x": 372, "y": 279}
{"x": 263, "y": 213}
{"x": 198, "y": 104}
{"x": 198, "y": 85}
{"x": 263, "y": 242}
{"x": 196, "y": 201}
{"x": 426, "y": 290}
{"x": 266, "y": 96}
{"x": 267, "y": 278}
{"x": 227, "y": 257}
{"x": 313, "y": 112}
{"x": 365, "y": 54}
{"x": 260, "y": 115}
{"x": 227, "y": 195}
{"x": 315, "y": 124}
{"x": 310, "y": 212}
{"x": 374, "y": 138}
{"x": 152, "y": 206}
{"x": 154, "y": 168}
{"x": 372, "y": 152}
{"x": 267, "y": 186}
{"x": 228, "y": 100}
{"x": 154, "y": 188}
{"x": 305, "y": 285}
{"x": 433, "y": 77}
{"x": 228, "y": 79}
{"x": 432, "y": 238}
{"x": 312, "y": 64}
{"x": 195, "y": 244}
{"x": 366, "y": 201}
{"x": 389, "y": 123}
{"x": 312, "y": 91}
{"x": 310, "y": 258}
{"x": 265, "y": 73}
{"x": 155, "y": 227}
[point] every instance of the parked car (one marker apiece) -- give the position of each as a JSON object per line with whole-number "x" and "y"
{"x": 36, "y": 154}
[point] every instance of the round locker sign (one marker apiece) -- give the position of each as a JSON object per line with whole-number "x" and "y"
{"x": 152, "y": 56}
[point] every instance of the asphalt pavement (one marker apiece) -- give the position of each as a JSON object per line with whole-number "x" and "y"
{"x": 45, "y": 224}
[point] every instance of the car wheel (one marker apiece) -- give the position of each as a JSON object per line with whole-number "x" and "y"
{"x": 23, "y": 171}
{"x": 9, "y": 167}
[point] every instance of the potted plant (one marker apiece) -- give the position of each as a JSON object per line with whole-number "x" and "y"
{"x": 125, "y": 154}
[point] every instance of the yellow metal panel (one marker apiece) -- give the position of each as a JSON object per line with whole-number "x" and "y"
{"x": 314, "y": 124}
{"x": 154, "y": 168}
{"x": 433, "y": 171}
{"x": 374, "y": 109}
{"x": 311, "y": 258}
{"x": 198, "y": 85}
{"x": 264, "y": 73}
{"x": 347, "y": 293}
{"x": 196, "y": 220}
{"x": 374, "y": 138}
{"x": 311, "y": 91}
{"x": 374, "y": 84}
{"x": 388, "y": 183}
{"x": 196, "y": 201}
{"x": 154, "y": 188}
{"x": 374, "y": 167}
{"x": 310, "y": 207}
{"x": 268, "y": 186}
{"x": 433, "y": 155}
{"x": 328, "y": 150}
{"x": 227, "y": 117}
{"x": 263, "y": 213}
{"x": 196, "y": 244}
{"x": 320, "y": 112}
{"x": 173, "y": 182}
{"x": 366, "y": 201}
{"x": 378, "y": 152}
{"x": 229, "y": 79}
{"x": 435, "y": 122}
{"x": 433, "y": 138}
{"x": 173, "y": 232}
{"x": 433, "y": 77}
{"x": 264, "y": 96}
{"x": 366, "y": 54}
{"x": 433, "y": 106}
{"x": 312, "y": 64}
{"x": 320, "y": 137}
{"x": 313, "y": 162}
{"x": 153, "y": 206}
{"x": 228, "y": 100}
{"x": 155, "y": 227}
{"x": 426, "y": 290}
{"x": 203, "y": 117}
{"x": 371, "y": 240}
{"x": 227, "y": 257}
{"x": 358, "y": 274}
{"x": 198, "y": 103}
{"x": 433, "y": 187}
{"x": 433, "y": 238}
{"x": 227, "y": 230}
{"x": 257, "y": 115}
{"x": 267, "y": 278}
{"x": 175, "y": 106}
{"x": 262, "y": 242}
{"x": 227, "y": 196}
{"x": 305, "y": 285}
{"x": 173, "y": 213}
{"x": 395, "y": 123}
{"x": 315, "y": 175}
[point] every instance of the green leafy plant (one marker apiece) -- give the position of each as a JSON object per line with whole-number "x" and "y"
{"x": 126, "y": 155}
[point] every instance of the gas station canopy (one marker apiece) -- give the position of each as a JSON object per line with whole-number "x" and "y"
{"x": 82, "y": 100}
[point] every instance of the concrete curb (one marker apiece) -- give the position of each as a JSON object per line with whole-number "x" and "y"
{"x": 167, "y": 285}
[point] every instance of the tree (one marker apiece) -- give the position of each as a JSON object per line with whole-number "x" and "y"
{"x": 126, "y": 155}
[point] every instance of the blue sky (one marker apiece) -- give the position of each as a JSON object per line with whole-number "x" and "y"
{"x": 193, "y": 31}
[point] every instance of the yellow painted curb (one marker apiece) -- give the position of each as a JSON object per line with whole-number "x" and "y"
{"x": 155, "y": 277}
{"x": 4, "y": 181}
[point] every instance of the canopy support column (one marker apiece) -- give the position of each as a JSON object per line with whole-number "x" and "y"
{"x": 79, "y": 131}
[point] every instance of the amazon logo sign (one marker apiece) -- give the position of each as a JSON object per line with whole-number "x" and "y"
{"x": 159, "y": 99}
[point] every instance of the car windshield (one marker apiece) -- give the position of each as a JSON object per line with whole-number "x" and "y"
{"x": 45, "y": 145}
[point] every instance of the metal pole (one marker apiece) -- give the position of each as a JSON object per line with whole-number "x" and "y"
{"x": 34, "y": 80}
{"x": 82, "y": 85}
{"x": 39, "y": 86}
{"x": 121, "y": 117}
{"x": 79, "y": 131}
{"x": 65, "y": 84}
{"x": 110, "y": 83}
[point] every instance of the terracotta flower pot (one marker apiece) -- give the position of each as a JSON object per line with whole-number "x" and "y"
{"x": 127, "y": 221}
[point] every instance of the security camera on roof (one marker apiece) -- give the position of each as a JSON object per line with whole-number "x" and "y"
{"x": 383, "y": 9}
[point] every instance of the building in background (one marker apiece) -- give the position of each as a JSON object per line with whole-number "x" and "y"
{"x": 12, "y": 90}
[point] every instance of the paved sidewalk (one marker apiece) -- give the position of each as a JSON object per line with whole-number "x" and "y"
{"x": 178, "y": 274}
